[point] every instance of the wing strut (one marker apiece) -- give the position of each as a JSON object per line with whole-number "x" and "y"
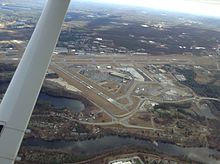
{"x": 18, "y": 103}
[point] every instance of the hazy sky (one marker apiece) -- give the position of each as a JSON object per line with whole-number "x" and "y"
{"x": 198, "y": 7}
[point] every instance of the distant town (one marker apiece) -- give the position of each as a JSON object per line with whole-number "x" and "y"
{"x": 122, "y": 88}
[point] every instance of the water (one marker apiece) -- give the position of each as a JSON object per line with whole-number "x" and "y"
{"x": 61, "y": 102}
{"x": 100, "y": 145}
{"x": 58, "y": 102}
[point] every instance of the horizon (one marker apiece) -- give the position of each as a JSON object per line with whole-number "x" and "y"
{"x": 208, "y": 8}
{"x": 194, "y": 7}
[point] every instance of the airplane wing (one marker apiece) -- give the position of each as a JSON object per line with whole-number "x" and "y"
{"x": 19, "y": 100}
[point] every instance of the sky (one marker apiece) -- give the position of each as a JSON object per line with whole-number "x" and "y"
{"x": 196, "y": 7}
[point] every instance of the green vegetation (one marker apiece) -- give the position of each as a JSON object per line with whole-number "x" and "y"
{"x": 168, "y": 106}
{"x": 7, "y": 67}
{"x": 208, "y": 90}
{"x": 52, "y": 157}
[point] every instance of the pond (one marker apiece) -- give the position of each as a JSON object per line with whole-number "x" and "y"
{"x": 61, "y": 102}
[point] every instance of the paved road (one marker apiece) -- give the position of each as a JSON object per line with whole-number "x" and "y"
{"x": 91, "y": 93}
{"x": 114, "y": 109}
{"x": 122, "y": 118}
{"x": 128, "y": 95}
{"x": 116, "y": 118}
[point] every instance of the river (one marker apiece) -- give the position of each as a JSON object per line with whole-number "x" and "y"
{"x": 108, "y": 143}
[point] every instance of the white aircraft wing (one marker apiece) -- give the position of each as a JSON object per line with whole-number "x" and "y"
{"x": 18, "y": 103}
